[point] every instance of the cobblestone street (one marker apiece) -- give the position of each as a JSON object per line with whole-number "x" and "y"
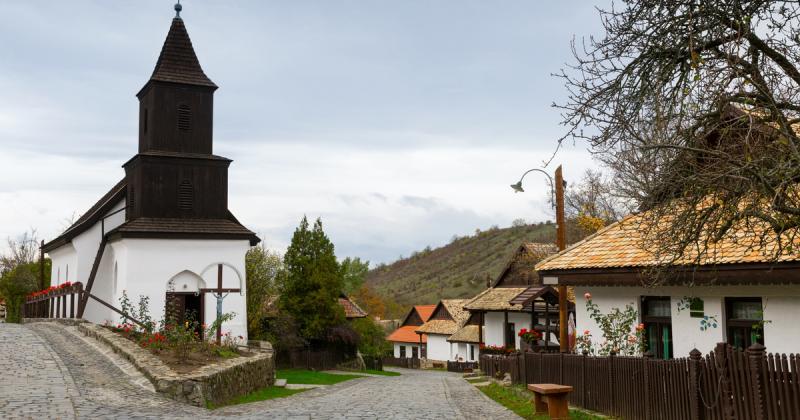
{"x": 50, "y": 372}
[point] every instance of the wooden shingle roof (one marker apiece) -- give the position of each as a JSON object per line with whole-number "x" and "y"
{"x": 496, "y": 299}
{"x": 178, "y": 62}
{"x": 447, "y": 318}
{"x": 622, "y": 244}
{"x": 351, "y": 310}
{"x": 466, "y": 334}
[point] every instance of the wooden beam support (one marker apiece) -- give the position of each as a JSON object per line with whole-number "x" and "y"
{"x": 561, "y": 241}
{"x": 95, "y": 266}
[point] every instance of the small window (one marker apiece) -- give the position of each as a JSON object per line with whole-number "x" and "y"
{"x": 697, "y": 308}
{"x": 744, "y": 324}
{"x": 471, "y": 352}
{"x": 185, "y": 195}
{"x": 58, "y": 278}
{"x": 403, "y": 352}
{"x": 145, "y": 121}
{"x": 511, "y": 336}
{"x": 66, "y": 278}
{"x": 414, "y": 352}
{"x": 657, "y": 307}
{"x": 184, "y": 118}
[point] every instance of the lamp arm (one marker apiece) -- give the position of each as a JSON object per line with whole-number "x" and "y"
{"x": 549, "y": 178}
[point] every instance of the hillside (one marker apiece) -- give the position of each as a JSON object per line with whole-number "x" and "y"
{"x": 457, "y": 270}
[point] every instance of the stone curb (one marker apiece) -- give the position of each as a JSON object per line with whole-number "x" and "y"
{"x": 215, "y": 383}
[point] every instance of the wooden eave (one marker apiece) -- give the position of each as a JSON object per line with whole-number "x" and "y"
{"x": 704, "y": 275}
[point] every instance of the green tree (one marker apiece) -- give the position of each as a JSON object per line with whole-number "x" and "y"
{"x": 372, "y": 337}
{"x": 264, "y": 268}
{"x": 15, "y": 285}
{"x": 310, "y": 289}
{"x": 354, "y": 272}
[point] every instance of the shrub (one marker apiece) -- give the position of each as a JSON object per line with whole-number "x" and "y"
{"x": 15, "y": 285}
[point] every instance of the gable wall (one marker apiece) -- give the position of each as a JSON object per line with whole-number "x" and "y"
{"x": 521, "y": 271}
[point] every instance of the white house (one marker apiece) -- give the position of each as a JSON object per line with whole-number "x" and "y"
{"x": 447, "y": 318}
{"x": 499, "y": 318}
{"x": 467, "y": 340}
{"x": 407, "y": 343}
{"x": 164, "y": 230}
{"x": 735, "y": 294}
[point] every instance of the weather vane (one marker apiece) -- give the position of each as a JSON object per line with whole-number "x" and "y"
{"x": 178, "y": 9}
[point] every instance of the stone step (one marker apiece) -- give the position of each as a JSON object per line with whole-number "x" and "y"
{"x": 280, "y": 383}
{"x": 474, "y": 374}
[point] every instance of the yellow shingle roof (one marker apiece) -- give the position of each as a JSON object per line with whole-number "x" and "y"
{"x": 495, "y": 299}
{"x": 623, "y": 244}
{"x": 467, "y": 334}
{"x": 447, "y": 326}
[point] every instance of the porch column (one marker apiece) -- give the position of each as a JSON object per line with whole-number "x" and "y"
{"x": 505, "y": 328}
{"x": 547, "y": 323}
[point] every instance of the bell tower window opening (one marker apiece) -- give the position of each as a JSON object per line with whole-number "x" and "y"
{"x": 185, "y": 195}
{"x": 145, "y": 121}
{"x": 184, "y": 118}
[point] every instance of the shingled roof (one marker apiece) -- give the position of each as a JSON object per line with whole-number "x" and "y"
{"x": 147, "y": 227}
{"x": 351, "y": 309}
{"x": 622, "y": 245}
{"x": 88, "y": 219}
{"x": 496, "y": 299}
{"x": 178, "y": 62}
{"x": 448, "y": 316}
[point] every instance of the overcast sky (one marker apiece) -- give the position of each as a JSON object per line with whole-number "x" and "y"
{"x": 400, "y": 123}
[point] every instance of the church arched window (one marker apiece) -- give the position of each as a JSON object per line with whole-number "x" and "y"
{"x": 67, "y": 276}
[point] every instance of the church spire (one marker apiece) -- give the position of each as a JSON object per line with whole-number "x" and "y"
{"x": 178, "y": 63}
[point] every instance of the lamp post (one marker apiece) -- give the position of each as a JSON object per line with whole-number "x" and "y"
{"x": 561, "y": 242}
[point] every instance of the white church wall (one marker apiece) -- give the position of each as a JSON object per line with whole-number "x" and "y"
{"x": 151, "y": 263}
{"x": 63, "y": 258}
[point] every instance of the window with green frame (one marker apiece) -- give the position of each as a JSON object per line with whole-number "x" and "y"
{"x": 743, "y": 321}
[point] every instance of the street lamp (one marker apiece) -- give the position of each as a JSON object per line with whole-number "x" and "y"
{"x": 561, "y": 242}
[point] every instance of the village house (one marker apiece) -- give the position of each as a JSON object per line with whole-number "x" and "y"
{"x": 499, "y": 318}
{"x": 407, "y": 343}
{"x": 467, "y": 339}
{"x": 447, "y": 318}
{"x": 735, "y": 294}
{"x": 164, "y": 231}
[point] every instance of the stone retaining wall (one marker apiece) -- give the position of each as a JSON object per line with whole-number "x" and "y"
{"x": 215, "y": 383}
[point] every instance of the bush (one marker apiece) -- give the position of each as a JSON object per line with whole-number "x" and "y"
{"x": 373, "y": 337}
{"x": 15, "y": 285}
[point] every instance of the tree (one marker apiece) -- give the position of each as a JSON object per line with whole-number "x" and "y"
{"x": 15, "y": 285}
{"x": 692, "y": 105}
{"x": 310, "y": 289}
{"x": 21, "y": 250}
{"x": 354, "y": 272}
{"x": 592, "y": 202}
{"x": 264, "y": 269}
{"x": 372, "y": 337}
{"x": 368, "y": 300}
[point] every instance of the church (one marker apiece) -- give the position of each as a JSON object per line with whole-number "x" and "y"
{"x": 164, "y": 231}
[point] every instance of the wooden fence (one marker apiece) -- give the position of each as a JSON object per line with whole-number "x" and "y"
{"x": 725, "y": 384}
{"x": 461, "y": 366}
{"x": 57, "y": 303}
{"x": 403, "y": 362}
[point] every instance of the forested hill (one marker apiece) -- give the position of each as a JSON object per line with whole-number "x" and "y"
{"x": 457, "y": 270}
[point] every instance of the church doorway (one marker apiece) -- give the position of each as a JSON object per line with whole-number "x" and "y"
{"x": 185, "y": 307}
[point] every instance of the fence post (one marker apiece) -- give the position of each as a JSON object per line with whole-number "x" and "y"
{"x": 725, "y": 393}
{"x": 646, "y": 394}
{"x": 561, "y": 368}
{"x": 694, "y": 385}
{"x": 611, "y": 356}
{"x": 583, "y": 378}
{"x": 755, "y": 360}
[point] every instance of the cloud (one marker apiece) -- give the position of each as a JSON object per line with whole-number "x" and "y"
{"x": 400, "y": 124}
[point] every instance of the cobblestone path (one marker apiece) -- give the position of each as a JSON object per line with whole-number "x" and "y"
{"x": 48, "y": 372}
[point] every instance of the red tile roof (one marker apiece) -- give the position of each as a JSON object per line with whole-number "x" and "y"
{"x": 351, "y": 310}
{"x": 425, "y": 311}
{"x": 407, "y": 335}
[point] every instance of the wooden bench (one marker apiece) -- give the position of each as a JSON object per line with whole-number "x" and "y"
{"x": 551, "y": 399}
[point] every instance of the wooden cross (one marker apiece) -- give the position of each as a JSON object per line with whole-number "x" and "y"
{"x": 218, "y": 293}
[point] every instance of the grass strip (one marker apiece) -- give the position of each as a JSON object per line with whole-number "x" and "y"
{"x": 513, "y": 400}
{"x": 311, "y": 377}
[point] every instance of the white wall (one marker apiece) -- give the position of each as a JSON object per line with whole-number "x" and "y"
{"x": 462, "y": 350}
{"x": 781, "y": 306}
{"x": 408, "y": 349}
{"x": 494, "y": 322}
{"x": 147, "y": 266}
{"x": 438, "y": 347}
